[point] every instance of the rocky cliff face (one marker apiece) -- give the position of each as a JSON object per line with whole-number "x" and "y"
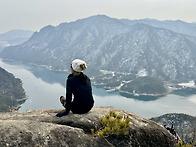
{"x": 43, "y": 128}
{"x": 11, "y": 91}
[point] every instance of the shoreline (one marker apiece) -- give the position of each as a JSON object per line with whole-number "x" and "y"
{"x": 20, "y": 102}
{"x": 110, "y": 90}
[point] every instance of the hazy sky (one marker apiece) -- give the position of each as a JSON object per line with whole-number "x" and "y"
{"x": 35, "y": 14}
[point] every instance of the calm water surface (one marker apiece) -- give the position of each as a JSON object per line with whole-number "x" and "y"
{"x": 44, "y": 87}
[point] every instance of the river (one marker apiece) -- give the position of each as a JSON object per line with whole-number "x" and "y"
{"x": 44, "y": 87}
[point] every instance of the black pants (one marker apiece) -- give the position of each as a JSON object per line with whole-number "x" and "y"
{"x": 81, "y": 108}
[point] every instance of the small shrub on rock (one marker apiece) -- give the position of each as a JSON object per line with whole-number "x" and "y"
{"x": 180, "y": 144}
{"x": 114, "y": 124}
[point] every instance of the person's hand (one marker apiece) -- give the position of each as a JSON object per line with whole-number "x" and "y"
{"x": 62, "y": 114}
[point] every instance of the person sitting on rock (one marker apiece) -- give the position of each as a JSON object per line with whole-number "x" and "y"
{"x": 172, "y": 131}
{"x": 79, "y": 85}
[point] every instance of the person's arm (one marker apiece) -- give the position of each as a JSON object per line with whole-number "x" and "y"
{"x": 68, "y": 99}
{"x": 68, "y": 96}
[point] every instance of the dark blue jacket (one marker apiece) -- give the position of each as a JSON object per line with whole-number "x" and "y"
{"x": 80, "y": 87}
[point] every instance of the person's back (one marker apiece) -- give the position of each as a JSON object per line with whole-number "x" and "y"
{"x": 80, "y": 87}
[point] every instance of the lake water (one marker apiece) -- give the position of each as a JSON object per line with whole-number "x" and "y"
{"x": 44, "y": 87}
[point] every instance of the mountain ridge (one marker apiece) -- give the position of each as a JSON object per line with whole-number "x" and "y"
{"x": 177, "y": 26}
{"x": 14, "y": 37}
{"x": 110, "y": 44}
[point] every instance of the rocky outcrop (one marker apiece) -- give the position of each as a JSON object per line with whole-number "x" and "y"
{"x": 184, "y": 125}
{"x": 11, "y": 91}
{"x": 43, "y": 128}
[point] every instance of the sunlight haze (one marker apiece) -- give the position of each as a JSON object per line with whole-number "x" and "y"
{"x": 36, "y": 14}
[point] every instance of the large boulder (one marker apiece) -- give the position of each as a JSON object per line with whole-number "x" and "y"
{"x": 43, "y": 128}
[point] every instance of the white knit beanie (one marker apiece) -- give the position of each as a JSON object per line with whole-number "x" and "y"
{"x": 78, "y": 65}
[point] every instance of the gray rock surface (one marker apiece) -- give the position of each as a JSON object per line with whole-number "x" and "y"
{"x": 43, "y": 128}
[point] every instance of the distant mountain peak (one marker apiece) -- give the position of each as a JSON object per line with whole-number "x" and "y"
{"x": 166, "y": 50}
{"x": 14, "y": 37}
